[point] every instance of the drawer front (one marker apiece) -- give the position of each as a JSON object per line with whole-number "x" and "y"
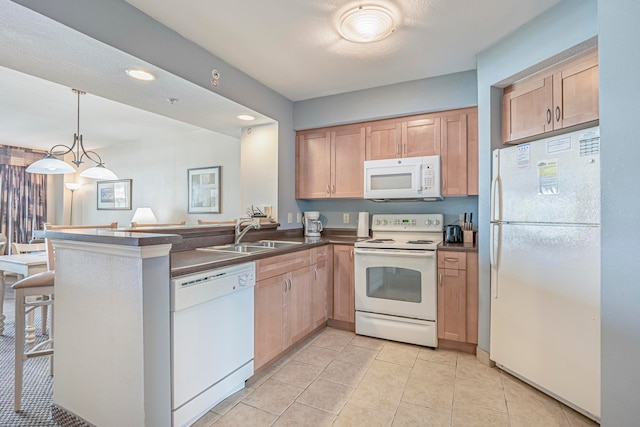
{"x": 280, "y": 264}
{"x": 319, "y": 254}
{"x": 452, "y": 260}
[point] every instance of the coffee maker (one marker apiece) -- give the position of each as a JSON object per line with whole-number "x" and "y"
{"x": 312, "y": 224}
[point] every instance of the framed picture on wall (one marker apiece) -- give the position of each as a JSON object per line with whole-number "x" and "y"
{"x": 114, "y": 195}
{"x": 204, "y": 189}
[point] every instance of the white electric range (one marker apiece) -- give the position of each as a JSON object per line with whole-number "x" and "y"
{"x": 395, "y": 278}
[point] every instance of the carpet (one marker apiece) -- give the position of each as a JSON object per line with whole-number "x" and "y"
{"x": 37, "y": 383}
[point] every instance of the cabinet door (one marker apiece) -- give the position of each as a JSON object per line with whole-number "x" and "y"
{"x": 472, "y": 153}
{"x": 319, "y": 284}
{"x": 527, "y": 109}
{"x": 452, "y": 304}
{"x": 297, "y": 306}
{"x": 347, "y": 162}
{"x": 472, "y": 297}
{"x": 313, "y": 166}
{"x": 421, "y": 137}
{"x": 575, "y": 94}
{"x": 268, "y": 336}
{"x": 383, "y": 141}
{"x": 343, "y": 284}
{"x": 454, "y": 155}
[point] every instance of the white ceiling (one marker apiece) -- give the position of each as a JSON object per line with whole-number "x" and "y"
{"x": 290, "y": 46}
{"x": 293, "y": 46}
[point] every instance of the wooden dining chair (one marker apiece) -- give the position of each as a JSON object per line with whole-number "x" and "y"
{"x": 25, "y": 248}
{"x": 168, "y": 224}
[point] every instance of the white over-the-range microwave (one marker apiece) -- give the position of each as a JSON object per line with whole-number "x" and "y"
{"x": 411, "y": 178}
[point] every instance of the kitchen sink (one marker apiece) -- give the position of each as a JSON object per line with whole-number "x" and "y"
{"x": 274, "y": 244}
{"x": 239, "y": 248}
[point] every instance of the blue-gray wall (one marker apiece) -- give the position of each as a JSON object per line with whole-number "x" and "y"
{"x": 440, "y": 93}
{"x": 542, "y": 41}
{"x": 619, "y": 69}
{"x": 124, "y": 27}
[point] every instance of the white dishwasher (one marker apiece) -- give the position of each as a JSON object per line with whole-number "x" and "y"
{"x": 211, "y": 338}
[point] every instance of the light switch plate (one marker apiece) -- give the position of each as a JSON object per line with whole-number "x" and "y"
{"x": 298, "y": 217}
{"x": 345, "y": 218}
{"x": 289, "y": 218}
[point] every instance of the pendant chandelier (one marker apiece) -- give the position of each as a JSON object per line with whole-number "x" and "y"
{"x": 50, "y": 165}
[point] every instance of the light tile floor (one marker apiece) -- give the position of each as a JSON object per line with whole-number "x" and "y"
{"x": 337, "y": 378}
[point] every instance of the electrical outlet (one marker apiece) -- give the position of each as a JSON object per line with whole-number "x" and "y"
{"x": 345, "y": 218}
{"x": 289, "y": 218}
{"x": 298, "y": 217}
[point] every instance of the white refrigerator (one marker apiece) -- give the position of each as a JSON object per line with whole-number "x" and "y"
{"x": 545, "y": 266}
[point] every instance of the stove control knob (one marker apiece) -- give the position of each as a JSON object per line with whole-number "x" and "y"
{"x": 384, "y": 222}
{"x": 437, "y": 222}
{"x": 429, "y": 222}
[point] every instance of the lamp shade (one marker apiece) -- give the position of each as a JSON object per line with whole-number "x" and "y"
{"x": 73, "y": 186}
{"x": 50, "y": 166}
{"x": 144, "y": 216}
{"x": 99, "y": 172}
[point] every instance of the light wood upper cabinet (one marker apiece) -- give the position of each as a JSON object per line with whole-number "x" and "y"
{"x": 347, "y": 162}
{"x": 330, "y": 164}
{"x": 388, "y": 139}
{"x": 575, "y": 93}
{"x": 421, "y": 137}
{"x": 313, "y": 165}
{"x": 383, "y": 141}
{"x": 563, "y": 96}
{"x": 458, "y": 296}
{"x": 330, "y": 161}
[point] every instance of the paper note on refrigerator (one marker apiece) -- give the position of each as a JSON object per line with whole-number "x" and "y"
{"x": 548, "y": 177}
{"x": 524, "y": 156}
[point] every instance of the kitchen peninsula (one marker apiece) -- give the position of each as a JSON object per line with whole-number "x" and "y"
{"x": 112, "y": 337}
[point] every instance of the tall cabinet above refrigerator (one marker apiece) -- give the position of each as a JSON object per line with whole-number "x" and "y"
{"x": 545, "y": 266}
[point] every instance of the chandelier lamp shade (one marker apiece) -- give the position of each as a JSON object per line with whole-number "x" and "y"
{"x": 51, "y": 165}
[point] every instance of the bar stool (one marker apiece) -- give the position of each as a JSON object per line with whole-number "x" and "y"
{"x": 38, "y": 285}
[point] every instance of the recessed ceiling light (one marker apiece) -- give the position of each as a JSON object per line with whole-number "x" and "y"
{"x": 366, "y": 24}
{"x": 246, "y": 117}
{"x": 140, "y": 74}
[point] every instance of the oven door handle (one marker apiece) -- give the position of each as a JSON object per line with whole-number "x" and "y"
{"x": 407, "y": 253}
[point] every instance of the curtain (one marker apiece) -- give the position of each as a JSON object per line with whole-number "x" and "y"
{"x": 23, "y": 195}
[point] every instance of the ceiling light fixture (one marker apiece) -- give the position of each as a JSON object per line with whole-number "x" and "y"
{"x": 50, "y": 165}
{"x": 246, "y": 117}
{"x": 366, "y": 24}
{"x": 140, "y": 74}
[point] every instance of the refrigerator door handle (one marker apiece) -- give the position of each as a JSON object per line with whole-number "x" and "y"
{"x": 494, "y": 255}
{"x": 496, "y": 189}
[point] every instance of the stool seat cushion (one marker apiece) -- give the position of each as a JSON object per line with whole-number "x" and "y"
{"x": 39, "y": 280}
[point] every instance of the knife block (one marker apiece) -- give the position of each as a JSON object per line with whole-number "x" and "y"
{"x": 468, "y": 236}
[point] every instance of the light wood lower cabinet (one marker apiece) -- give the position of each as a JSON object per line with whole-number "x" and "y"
{"x": 268, "y": 311}
{"x": 458, "y": 296}
{"x": 343, "y": 284}
{"x": 291, "y": 296}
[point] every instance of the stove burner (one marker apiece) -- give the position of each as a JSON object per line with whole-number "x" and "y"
{"x": 421, "y": 242}
{"x": 380, "y": 240}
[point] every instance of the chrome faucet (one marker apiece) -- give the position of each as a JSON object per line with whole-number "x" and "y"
{"x": 251, "y": 224}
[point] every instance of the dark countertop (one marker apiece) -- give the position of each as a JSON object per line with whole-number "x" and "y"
{"x": 458, "y": 247}
{"x": 110, "y": 236}
{"x": 195, "y": 260}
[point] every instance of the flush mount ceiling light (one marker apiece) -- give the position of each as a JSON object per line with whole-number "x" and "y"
{"x": 366, "y": 24}
{"x": 50, "y": 165}
{"x": 140, "y": 74}
{"x": 246, "y": 117}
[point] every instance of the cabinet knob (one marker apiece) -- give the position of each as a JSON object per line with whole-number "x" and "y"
{"x": 548, "y": 116}
{"x": 440, "y": 279}
{"x": 557, "y": 114}
{"x": 328, "y": 191}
